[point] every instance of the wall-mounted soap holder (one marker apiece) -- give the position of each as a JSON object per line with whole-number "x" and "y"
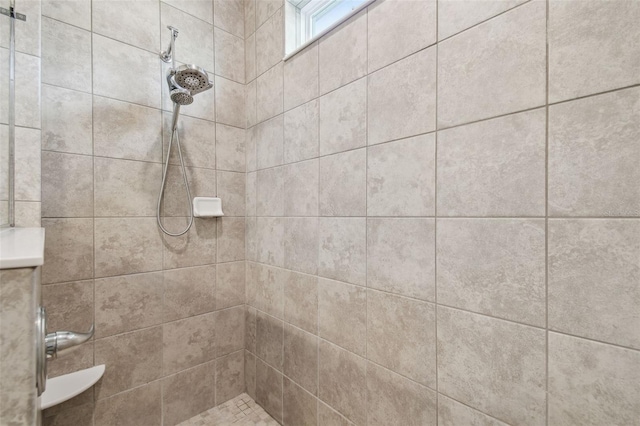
{"x": 207, "y": 207}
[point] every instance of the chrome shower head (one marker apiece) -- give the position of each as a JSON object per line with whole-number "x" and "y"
{"x": 193, "y": 78}
{"x": 181, "y": 96}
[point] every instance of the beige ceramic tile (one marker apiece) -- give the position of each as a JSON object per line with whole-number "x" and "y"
{"x": 76, "y": 12}
{"x": 251, "y": 201}
{"x": 401, "y": 336}
{"x": 116, "y": 67}
{"x": 507, "y": 74}
{"x": 301, "y": 301}
{"x": 270, "y": 142}
{"x": 249, "y": 17}
{"x": 229, "y": 330}
{"x": 196, "y": 37}
{"x": 125, "y": 130}
{"x": 301, "y": 188}
{"x": 28, "y": 165}
{"x": 328, "y": 416}
{"x": 188, "y": 292}
{"x": 130, "y": 360}
{"x": 61, "y": 66}
{"x": 202, "y": 183}
{"x": 270, "y": 192}
{"x": 270, "y": 340}
{"x": 197, "y": 141}
{"x": 299, "y": 406}
{"x": 452, "y": 413}
{"x": 126, "y": 246}
{"x": 230, "y": 107}
{"x": 229, "y": 376}
{"x": 264, "y": 9}
{"x": 342, "y": 381}
{"x": 202, "y": 9}
{"x": 301, "y": 244}
{"x": 230, "y": 239}
{"x": 142, "y": 407}
{"x": 139, "y": 27}
{"x": 67, "y": 185}
{"x": 301, "y": 357}
{"x": 68, "y": 250}
{"x": 196, "y": 247}
{"x": 583, "y": 61}
{"x": 270, "y": 93}
{"x": 128, "y": 302}
{"x": 301, "y": 77}
{"x": 301, "y": 132}
{"x": 229, "y": 51}
{"x": 188, "y": 393}
{"x": 69, "y": 305}
{"x": 393, "y": 399}
{"x": 343, "y": 53}
{"x": 401, "y": 256}
{"x": 494, "y": 167}
{"x": 229, "y": 15}
{"x": 402, "y": 98}
{"x": 343, "y": 118}
{"x": 269, "y": 42}
{"x": 27, "y": 84}
{"x": 231, "y": 189}
{"x": 250, "y": 373}
{"x": 591, "y": 383}
{"x": 456, "y": 15}
{"x": 401, "y": 178}
{"x": 495, "y": 366}
{"x": 343, "y": 249}
{"x": 188, "y": 342}
{"x": 594, "y": 155}
{"x": 250, "y": 318}
{"x": 344, "y": 182}
{"x": 250, "y": 58}
{"x": 342, "y": 315}
{"x": 493, "y": 266}
{"x": 269, "y": 389}
{"x": 399, "y": 28}
{"x": 594, "y": 271}
{"x": 230, "y": 284}
{"x": 126, "y": 188}
{"x": 270, "y": 241}
{"x": 230, "y": 148}
{"x": 66, "y": 120}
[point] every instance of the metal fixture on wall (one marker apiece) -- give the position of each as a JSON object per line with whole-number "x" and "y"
{"x": 185, "y": 82}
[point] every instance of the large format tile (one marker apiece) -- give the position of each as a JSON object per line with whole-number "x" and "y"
{"x": 66, "y": 120}
{"x": 494, "y": 167}
{"x": 594, "y": 46}
{"x": 75, "y": 12}
{"x": 231, "y": 188}
{"x": 126, "y": 246}
{"x": 301, "y": 244}
{"x": 495, "y": 68}
{"x": 131, "y": 359}
{"x": 401, "y": 256}
{"x": 128, "y": 302}
{"x": 229, "y": 330}
{"x": 301, "y": 188}
{"x": 342, "y": 315}
{"x": 269, "y": 42}
{"x": 188, "y": 393}
{"x": 125, "y": 130}
{"x": 343, "y": 381}
{"x": 270, "y": 340}
{"x": 126, "y": 188}
{"x": 202, "y": 9}
{"x": 344, "y": 184}
{"x": 196, "y": 247}
{"x": 401, "y": 178}
{"x": 195, "y": 43}
{"x": 301, "y": 301}
{"x": 393, "y": 399}
{"x": 229, "y": 376}
{"x": 270, "y": 142}
{"x": 399, "y": 28}
{"x": 456, "y": 15}
{"x": 301, "y": 134}
{"x": 230, "y": 148}
{"x": 188, "y": 342}
{"x": 230, "y": 106}
{"x": 188, "y": 291}
{"x": 343, "y": 118}
{"x": 231, "y": 234}
{"x": 299, "y": 406}
{"x": 401, "y": 336}
{"x": 229, "y": 51}
{"x": 591, "y": 383}
{"x": 197, "y": 141}
{"x": 342, "y": 253}
{"x": 28, "y": 165}
{"x": 140, "y": 26}
{"x": 270, "y": 240}
{"x": 402, "y": 98}
{"x": 270, "y": 192}
{"x": 230, "y": 284}
{"x": 493, "y": 266}
{"x": 301, "y": 357}
{"x": 67, "y": 185}
{"x": 270, "y": 99}
{"x": 301, "y": 77}
{"x": 126, "y": 73}
{"x": 61, "y": 65}
{"x": 343, "y": 53}
{"x": 594, "y": 279}
{"x": 139, "y": 407}
{"x": 452, "y": 413}
{"x": 269, "y": 389}
{"x": 594, "y": 155}
{"x": 229, "y": 16}
{"x": 68, "y": 250}
{"x": 495, "y": 366}
{"x": 69, "y": 305}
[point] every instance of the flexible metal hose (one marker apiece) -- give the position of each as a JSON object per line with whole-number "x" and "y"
{"x": 174, "y": 135}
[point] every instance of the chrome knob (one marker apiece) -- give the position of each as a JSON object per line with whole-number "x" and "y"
{"x": 62, "y": 340}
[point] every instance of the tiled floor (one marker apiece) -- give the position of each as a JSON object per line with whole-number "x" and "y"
{"x": 239, "y": 411}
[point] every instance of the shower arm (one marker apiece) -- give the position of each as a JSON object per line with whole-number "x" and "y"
{"x": 169, "y": 54}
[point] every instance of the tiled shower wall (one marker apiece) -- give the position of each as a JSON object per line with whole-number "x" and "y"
{"x": 443, "y": 208}
{"x": 168, "y": 312}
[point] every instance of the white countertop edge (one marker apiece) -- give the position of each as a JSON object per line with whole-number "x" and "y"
{"x": 21, "y": 247}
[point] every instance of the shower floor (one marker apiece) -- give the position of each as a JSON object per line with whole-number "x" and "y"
{"x": 239, "y": 411}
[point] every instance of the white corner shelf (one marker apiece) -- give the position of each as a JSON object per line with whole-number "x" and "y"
{"x": 61, "y": 388}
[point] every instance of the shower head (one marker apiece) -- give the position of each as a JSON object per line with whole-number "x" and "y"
{"x": 193, "y": 78}
{"x": 181, "y": 96}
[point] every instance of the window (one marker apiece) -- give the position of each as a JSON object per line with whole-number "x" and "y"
{"x": 308, "y": 20}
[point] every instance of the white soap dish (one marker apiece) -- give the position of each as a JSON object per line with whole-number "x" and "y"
{"x": 61, "y": 388}
{"x": 207, "y": 207}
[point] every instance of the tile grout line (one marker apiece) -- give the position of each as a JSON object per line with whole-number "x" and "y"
{"x": 546, "y": 221}
{"x": 435, "y": 222}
